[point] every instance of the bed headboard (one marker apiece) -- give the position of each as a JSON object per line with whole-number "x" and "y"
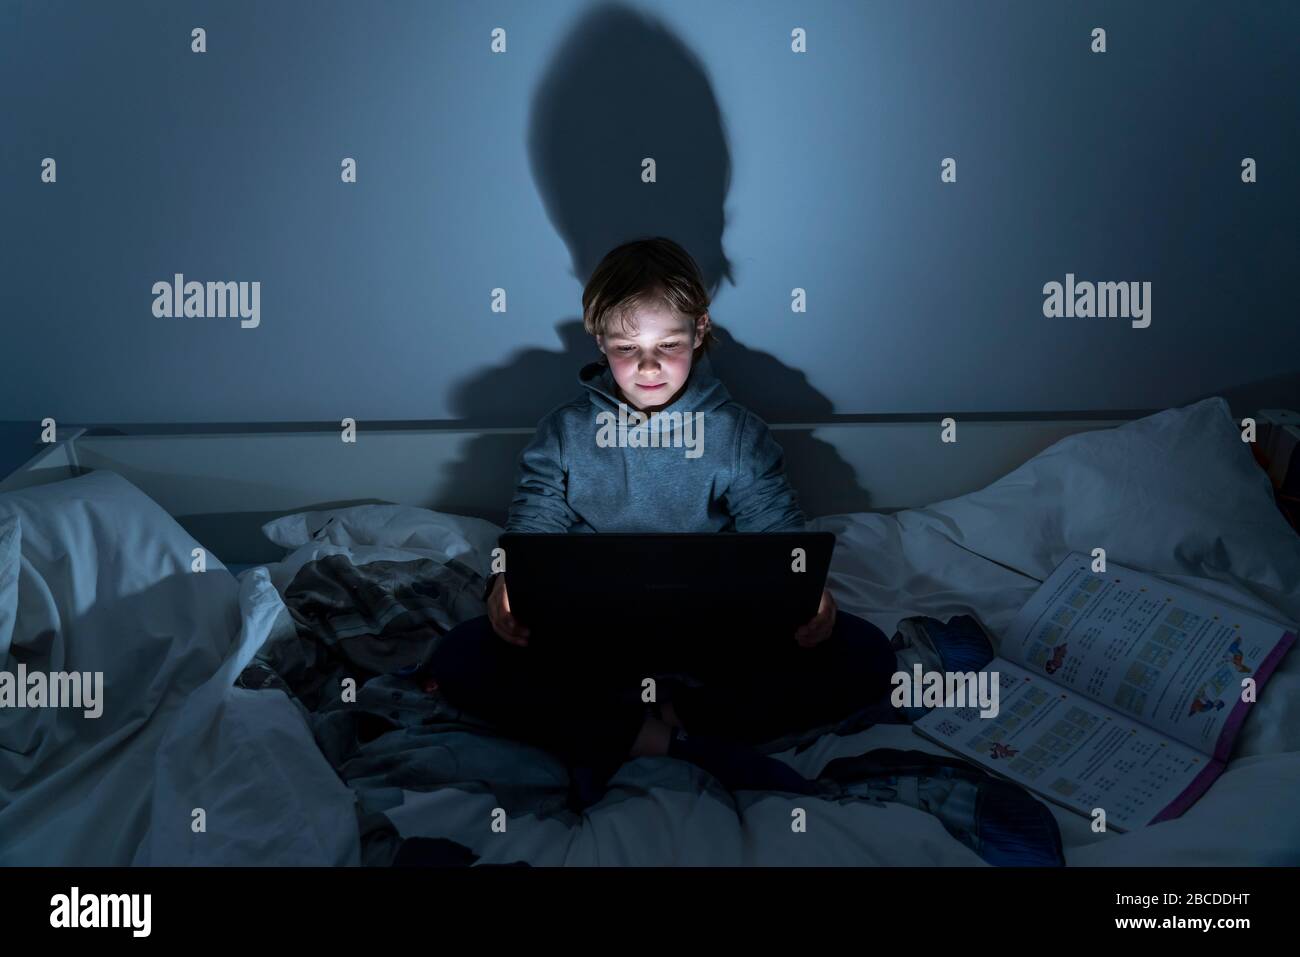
{"x": 222, "y": 483}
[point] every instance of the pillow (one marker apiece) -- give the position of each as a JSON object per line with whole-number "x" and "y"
{"x": 103, "y": 585}
{"x": 393, "y": 526}
{"x": 1177, "y": 494}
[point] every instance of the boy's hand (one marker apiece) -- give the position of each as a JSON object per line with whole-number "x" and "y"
{"x": 820, "y": 626}
{"x": 504, "y": 623}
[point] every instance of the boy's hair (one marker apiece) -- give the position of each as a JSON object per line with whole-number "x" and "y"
{"x": 641, "y": 273}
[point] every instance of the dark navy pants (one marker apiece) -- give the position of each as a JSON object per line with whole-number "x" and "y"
{"x": 588, "y": 715}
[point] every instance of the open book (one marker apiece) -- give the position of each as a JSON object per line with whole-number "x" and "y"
{"x": 1117, "y": 691}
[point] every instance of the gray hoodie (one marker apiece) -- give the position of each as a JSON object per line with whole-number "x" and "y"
{"x": 716, "y": 468}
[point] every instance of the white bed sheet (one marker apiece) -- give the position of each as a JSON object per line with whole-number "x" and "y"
{"x": 1176, "y": 494}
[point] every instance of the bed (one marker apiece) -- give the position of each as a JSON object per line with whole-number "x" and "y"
{"x": 191, "y": 762}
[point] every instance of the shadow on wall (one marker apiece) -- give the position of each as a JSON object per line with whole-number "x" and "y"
{"x": 621, "y": 87}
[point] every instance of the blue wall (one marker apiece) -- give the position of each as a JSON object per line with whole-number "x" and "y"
{"x": 520, "y": 170}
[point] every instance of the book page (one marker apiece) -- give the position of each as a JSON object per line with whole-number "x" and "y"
{"x": 1160, "y": 653}
{"x": 1073, "y": 751}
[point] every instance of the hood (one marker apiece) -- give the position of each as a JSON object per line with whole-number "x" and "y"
{"x": 704, "y": 392}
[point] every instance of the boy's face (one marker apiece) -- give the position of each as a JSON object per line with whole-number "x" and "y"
{"x": 650, "y": 355}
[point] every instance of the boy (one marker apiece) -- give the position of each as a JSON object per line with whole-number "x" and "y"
{"x": 647, "y": 307}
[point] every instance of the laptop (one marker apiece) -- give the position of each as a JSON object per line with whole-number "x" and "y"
{"x": 618, "y": 595}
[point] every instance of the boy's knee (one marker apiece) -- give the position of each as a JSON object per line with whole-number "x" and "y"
{"x": 865, "y": 659}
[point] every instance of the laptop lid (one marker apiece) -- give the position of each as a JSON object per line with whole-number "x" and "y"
{"x": 734, "y": 587}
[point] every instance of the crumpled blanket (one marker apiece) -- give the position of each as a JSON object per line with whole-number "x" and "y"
{"x": 361, "y": 621}
{"x": 364, "y": 632}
